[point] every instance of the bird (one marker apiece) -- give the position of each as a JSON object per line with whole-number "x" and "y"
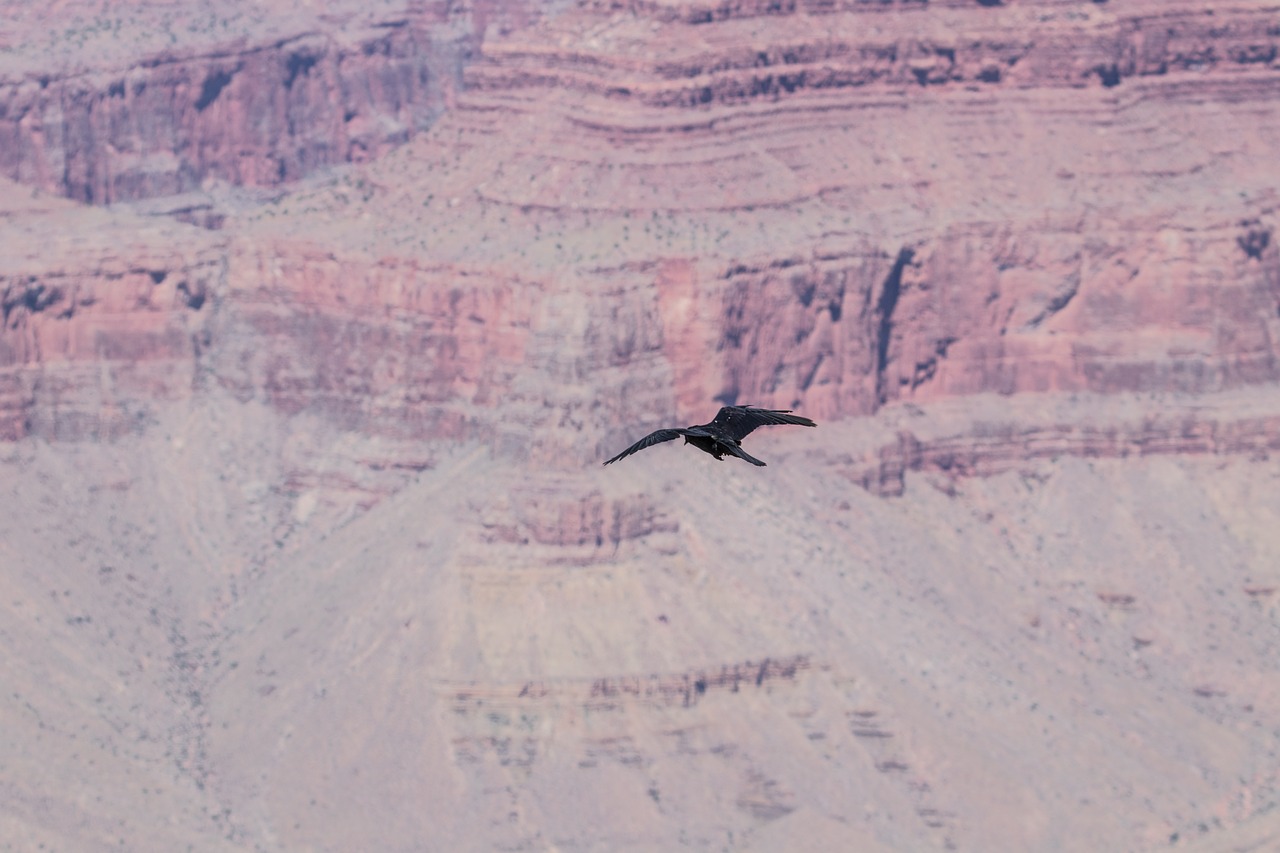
{"x": 723, "y": 436}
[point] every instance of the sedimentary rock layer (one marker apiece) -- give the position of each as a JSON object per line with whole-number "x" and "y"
{"x": 864, "y": 234}
{"x": 348, "y": 573}
{"x": 122, "y": 104}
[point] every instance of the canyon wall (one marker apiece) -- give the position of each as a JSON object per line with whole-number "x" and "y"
{"x": 149, "y": 101}
{"x": 843, "y": 210}
{"x": 1122, "y": 241}
{"x": 316, "y": 325}
{"x": 102, "y": 317}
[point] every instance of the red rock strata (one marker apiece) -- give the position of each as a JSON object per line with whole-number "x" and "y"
{"x": 827, "y": 206}
{"x": 348, "y": 573}
{"x": 1230, "y": 424}
{"x": 251, "y": 96}
{"x": 101, "y": 317}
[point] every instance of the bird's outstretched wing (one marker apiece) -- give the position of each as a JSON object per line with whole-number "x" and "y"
{"x": 738, "y": 421}
{"x": 649, "y": 440}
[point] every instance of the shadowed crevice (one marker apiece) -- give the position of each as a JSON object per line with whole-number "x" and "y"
{"x": 885, "y": 306}
{"x": 214, "y": 83}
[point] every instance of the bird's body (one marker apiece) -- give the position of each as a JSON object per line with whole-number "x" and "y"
{"x": 723, "y": 436}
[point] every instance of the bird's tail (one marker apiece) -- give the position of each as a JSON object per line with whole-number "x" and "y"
{"x": 741, "y": 454}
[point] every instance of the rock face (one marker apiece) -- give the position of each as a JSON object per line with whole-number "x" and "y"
{"x": 102, "y": 317}
{"x": 950, "y": 245}
{"x": 316, "y": 328}
{"x": 254, "y": 97}
{"x": 904, "y": 271}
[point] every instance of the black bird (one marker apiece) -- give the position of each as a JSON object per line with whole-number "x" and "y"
{"x": 723, "y": 436}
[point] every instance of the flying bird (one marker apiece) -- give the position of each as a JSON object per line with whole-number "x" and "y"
{"x": 723, "y": 436}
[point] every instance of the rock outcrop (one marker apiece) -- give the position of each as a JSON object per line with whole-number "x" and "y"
{"x": 992, "y": 435}
{"x": 103, "y": 316}
{"x": 138, "y": 103}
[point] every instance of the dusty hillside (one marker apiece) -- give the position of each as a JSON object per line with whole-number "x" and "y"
{"x": 1071, "y": 654}
{"x": 316, "y": 328}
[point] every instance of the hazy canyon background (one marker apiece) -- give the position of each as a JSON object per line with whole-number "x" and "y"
{"x": 318, "y": 320}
